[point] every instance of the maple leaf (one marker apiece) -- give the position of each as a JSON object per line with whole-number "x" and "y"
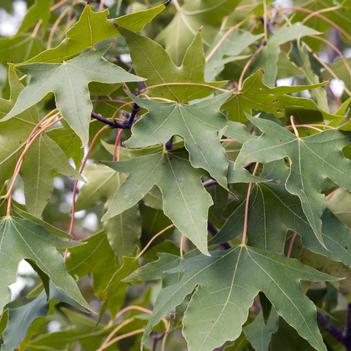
{"x": 22, "y": 239}
{"x": 197, "y": 123}
{"x": 69, "y": 83}
{"x": 269, "y": 57}
{"x": 256, "y": 96}
{"x": 124, "y": 230}
{"x": 19, "y": 47}
{"x": 44, "y": 158}
{"x": 185, "y": 201}
{"x": 92, "y": 28}
{"x": 273, "y": 212}
{"x": 191, "y": 17}
{"x": 96, "y": 257}
{"x": 225, "y": 48}
{"x": 223, "y": 288}
{"x": 313, "y": 159}
{"x": 39, "y": 11}
{"x": 181, "y": 83}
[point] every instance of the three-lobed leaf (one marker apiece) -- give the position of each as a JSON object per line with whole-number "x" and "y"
{"x": 273, "y": 212}
{"x": 256, "y": 96}
{"x": 92, "y": 28}
{"x": 313, "y": 159}
{"x": 22, "y": 239}
{"x": 197, "y": 123}
{"x": 44, "y": 158}
{"x": 181, "y": 83}
{"x": 185, "y": 200}
{"x": 69, "y": 83}
{"x": 223, "y": 287}
{"x": 124, "y": 230}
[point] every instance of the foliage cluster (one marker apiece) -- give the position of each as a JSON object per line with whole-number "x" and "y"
{"x": 204, "y": 138}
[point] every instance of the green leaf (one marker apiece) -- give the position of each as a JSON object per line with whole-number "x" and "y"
{"x": 69, "y": 83}
{"x": 15, "y": 132}
{"x": 273, "y": 212}
{"x": 313, "y": 159}
{"x": 185, "y": 200}
{"x": 23, "y": 239}
{"x": 259, "y": 332}
{"x": 319, "y": 94}
{"x": 43, "y": 160}
{"x": 223, "y": 288}
{"x": 92, "y": 28}
{"x": 20, "y": 319}
{"x": 255, "y": 96}
{"x": 198, "y": 124}
{"x": 97, "y": 258}
{"x": 79, "y": 329}
{"x": 155, "y": 270}
{"x": 191, "y": 17}
{"x": 39, "y": 11}
{"x": 151, "y": 61}
{"x": 226, "y": 47}
{"x": 270, "y": 55}
{"x": 19, "y": 48}
{"x": 124, "y": 230}
{"x": 340, "y": 204}
{"x": 84, "y": 260}
{"x": 101, "y": 182}
{"x": 341, "y": 67}
{"x": 237, "y": 131}
{"x": 68, "y": 141}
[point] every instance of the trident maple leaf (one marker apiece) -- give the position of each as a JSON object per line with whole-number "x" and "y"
{"x": 69, "y": 83}
{"x": 224, "y": 287}
{"x": 313, "y": 159}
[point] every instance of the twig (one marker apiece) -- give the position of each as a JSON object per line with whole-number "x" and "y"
{"x": 247, "y": 65}
{"x": 36, "y": 29}
{"x": 107, "y": 342}
{"x": 265, "y": 20}
{"x": 224, "y": 37}
{"x": 153, "y": 239}
{"x": 181, "y": 245}
{"x": 247, "y": 206}
{"x": 117, "y": 146}
{"x": 113, "y": 332}
{"x": 317, "y": 14}
{"x": 55, "y": 26}
{"x": 296, "y": 132}
{"x": 58, "y": 5}
{"x": 291, "y": 244}
{"x": 327, "y": 68}
{"x": 127, "y": 124}
{"x": 328, "y": 9}
{"x": 36, "y": 132}
{"x": 121, "y": 337}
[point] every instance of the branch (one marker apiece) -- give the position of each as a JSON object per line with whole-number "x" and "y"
{"x": 127, "y": 124}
